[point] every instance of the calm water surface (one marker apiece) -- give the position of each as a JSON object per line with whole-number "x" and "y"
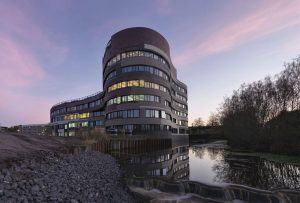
{"x": 211, "y": 164}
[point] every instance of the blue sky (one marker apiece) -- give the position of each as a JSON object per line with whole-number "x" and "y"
{"x": 51, "y": 50}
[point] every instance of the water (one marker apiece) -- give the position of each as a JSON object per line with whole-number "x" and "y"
{"x": 216, "y": 165}
{"x": 211, "y": 164}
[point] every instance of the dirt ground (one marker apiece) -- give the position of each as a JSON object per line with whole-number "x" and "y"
{"x": 16, "y": 146}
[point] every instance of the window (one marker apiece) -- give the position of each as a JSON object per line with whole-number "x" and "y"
{"x": 150, "y": 113}
{"x": 76, "y": 116}
{"x": 124, "y": 114}
{"x": 72, "y": 125}
{"x": 83, "y": 115}
{"x": 163, "y": 114}
{"x": 92, "y": 104}
{"x": 167, "y": 103}
{"x": 179, "y": 96}
{"x": 85, "y": 124}
{"x": 179, "y": 104}
{"x": 174, "y": 130}
{"x": 149, "y": 69}
{"x": 63, "y": 110}
{"x": 132, "y": 98}
{"x": 132, "y": 113}
{"x": 136, "y": 113}
{"x": 135, "y": 54}
{"x": 181, "y": 89}
{"x": 179, "y": 113}
{"x": 98, "y": 102}
{"x": 182, "y": 122}
{"x": 99, "y": 123}
{"x": 98, "y": 113}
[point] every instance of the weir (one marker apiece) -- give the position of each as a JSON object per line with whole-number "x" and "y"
{"x": 220, "y": 193}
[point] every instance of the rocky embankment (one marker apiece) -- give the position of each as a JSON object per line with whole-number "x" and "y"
{"x": 52, "y": 176}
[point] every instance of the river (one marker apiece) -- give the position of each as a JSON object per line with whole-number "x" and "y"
{"x": 213, "y": 164}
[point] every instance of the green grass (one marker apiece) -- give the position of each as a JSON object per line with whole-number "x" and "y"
{"x": 273, "y": 157}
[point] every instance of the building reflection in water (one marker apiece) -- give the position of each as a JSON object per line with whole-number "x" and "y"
{"x": 172, "y": 163}
{"x": 221, "y": 166}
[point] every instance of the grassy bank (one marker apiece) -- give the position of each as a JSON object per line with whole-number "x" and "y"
{"x": 286, "y": 159}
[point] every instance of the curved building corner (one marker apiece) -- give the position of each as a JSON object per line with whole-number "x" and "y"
{"x": 142, "y": 94}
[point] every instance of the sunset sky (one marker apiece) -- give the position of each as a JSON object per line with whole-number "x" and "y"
{"x": 51, "y": 51}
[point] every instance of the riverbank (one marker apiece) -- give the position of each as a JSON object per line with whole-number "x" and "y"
{"x": 42, "y": 173}
{"x": 286, "y": 159}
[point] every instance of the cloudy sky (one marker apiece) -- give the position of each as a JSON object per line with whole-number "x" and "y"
{"x": 51, "y": 50}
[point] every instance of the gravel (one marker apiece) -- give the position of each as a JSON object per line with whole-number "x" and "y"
{"x": 56, "y": 177}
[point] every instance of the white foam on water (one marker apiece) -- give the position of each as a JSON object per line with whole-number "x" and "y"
{"x": 159, "y": 196}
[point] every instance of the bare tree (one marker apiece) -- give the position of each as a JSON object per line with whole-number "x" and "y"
{"x": 198, "y": 122}
{"x": 251, "y": 114}
{"x": 213, "y": 119}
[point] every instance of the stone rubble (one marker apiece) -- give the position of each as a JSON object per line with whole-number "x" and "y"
{"x": 56, "y": 177}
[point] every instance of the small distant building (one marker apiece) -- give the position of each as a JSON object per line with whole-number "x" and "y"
{"x": 3, "y": 129}
{"x": 34, "y": 129}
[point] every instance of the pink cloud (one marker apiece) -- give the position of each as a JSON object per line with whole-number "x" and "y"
{"x": 17, "y": 21}
{"x": 19, "y": 72}
{"x": 21, "y": 108}
{"x": 268, "y": 18}
{"x": 19, "y": 67}
{"x": 22, "y": 40}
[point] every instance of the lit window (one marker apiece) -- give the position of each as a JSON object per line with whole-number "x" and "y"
{"x": 85, "y": 124}
{"x": 135, "y": 83}
{"x": 130, "y": 98}
{"x": 142, "y": 83}
{"x": 118, "y": 85}
{"x": 118, "y": 100}
{"x": 130, "y": 83}
{"x": 142, "y": 97}
{"x": 72, "y": 125}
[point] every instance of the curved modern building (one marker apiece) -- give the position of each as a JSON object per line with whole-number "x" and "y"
{"x": 141, "y": 92}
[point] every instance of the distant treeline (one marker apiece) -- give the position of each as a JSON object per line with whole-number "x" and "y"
{"x": 265, "y": 115}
